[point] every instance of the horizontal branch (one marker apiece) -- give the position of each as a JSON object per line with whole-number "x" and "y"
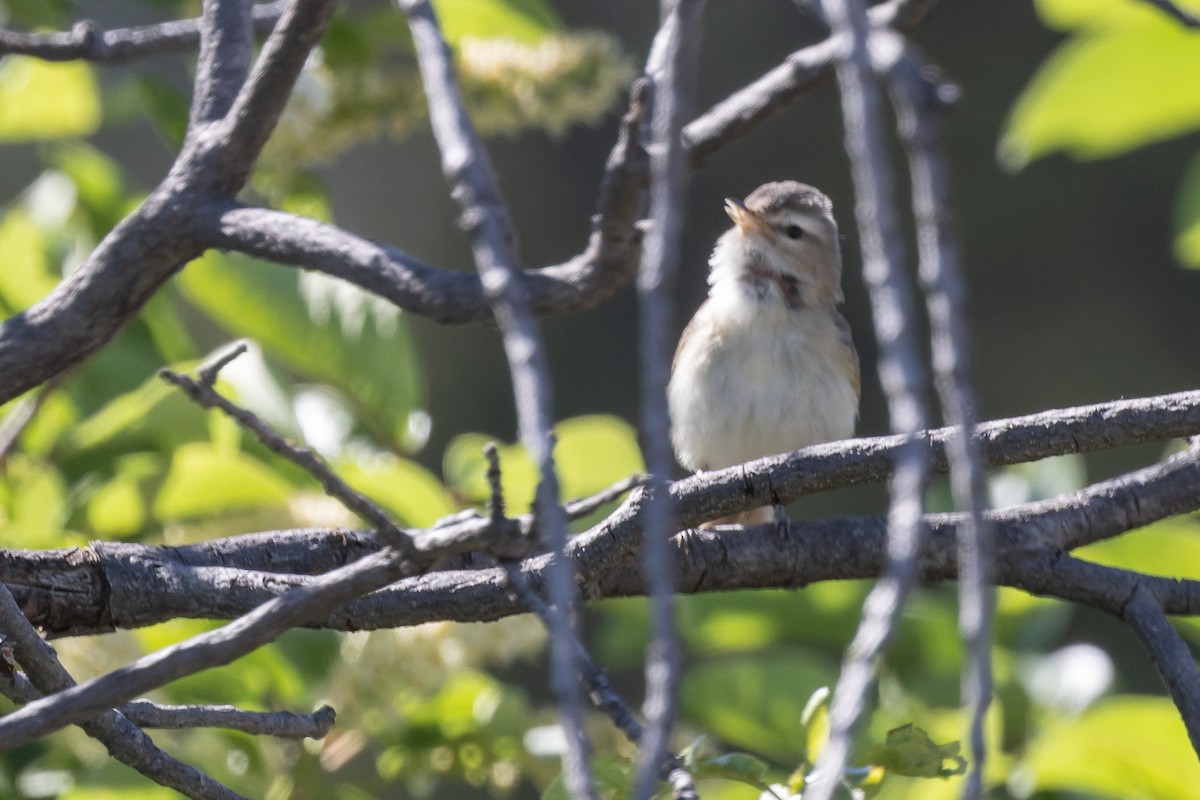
{"x": 86, "y": 42}
{"x": 89, "y": 590}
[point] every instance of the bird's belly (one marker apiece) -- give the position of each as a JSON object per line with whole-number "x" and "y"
{"x": 744, "y": 396}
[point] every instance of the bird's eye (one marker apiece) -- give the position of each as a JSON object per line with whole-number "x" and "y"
{"x": 794, "y": 231}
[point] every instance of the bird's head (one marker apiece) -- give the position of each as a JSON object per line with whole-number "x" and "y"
{"x": 788, "y": 228}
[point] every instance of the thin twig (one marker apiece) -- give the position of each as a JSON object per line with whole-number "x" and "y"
{"x": 123, "y": 739}
{"x": 484, "y": 216}
{"x": 202, "y": 392}
{"x": 921, "y": 100}
{"x": 281, "y": 724}
{"x": 211, "y": 649}
{"x": 739, "y": 113}
{"x": 672, "y": 66}
{"x": 85, "y": 42}
{"x": 901, "y": 373}
{"x": 604, "y": 697}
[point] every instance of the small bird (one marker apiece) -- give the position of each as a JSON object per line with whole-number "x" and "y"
{"x": 767, "y": 364}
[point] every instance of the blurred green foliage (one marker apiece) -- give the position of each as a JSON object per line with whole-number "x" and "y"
{"x": 114, "y": 453}
{"x": 1124, "y": 78}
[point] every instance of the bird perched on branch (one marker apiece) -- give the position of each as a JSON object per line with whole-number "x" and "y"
{"x": 767, "y": 364}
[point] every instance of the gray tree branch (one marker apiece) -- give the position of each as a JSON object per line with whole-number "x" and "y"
{"x": 86, "y": 42}
{"x": 473, "y": 184}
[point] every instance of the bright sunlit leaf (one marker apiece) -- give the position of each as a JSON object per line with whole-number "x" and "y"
{"x": 1103, "y": 94}
{"x": 1068, "y": 15}
{"x": 757, "y": 701}
{"x": 203, "y": 480}
{"x": 1123, "y": 747}
{"x": 27, "y": 276}
{"x": 524, "y": 20}
{"x": 325, "y": 330}
{"x": 404, "y": 488}
{"x": 1143, "y": 549}
{"x": 42, "y": 100}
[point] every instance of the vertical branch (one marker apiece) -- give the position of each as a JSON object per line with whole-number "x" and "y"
{"x": 900, "y": 370}
{"x": 672, "y": 66}
{"x": 921, "y": 101}
{"x": 485, "y": 219}
{"x": 226, "y": 44}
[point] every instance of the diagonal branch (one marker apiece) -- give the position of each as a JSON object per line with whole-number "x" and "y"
{"x": 123, "y": 739}
{"x": 1171, "y": 656}
{"x": 739, "y": 113}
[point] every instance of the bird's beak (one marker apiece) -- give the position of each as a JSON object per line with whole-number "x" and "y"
{"x": 746, "y": 220}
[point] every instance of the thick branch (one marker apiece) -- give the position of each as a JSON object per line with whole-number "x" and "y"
{"x": 109, "y": 585}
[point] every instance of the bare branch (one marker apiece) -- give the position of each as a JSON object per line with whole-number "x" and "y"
{"x": 742, "y": 111}
{"x": 77, "y": 591}
{"x": 226, "y": 48}
{"x": 202, "y": 392}
{"x": 672, "y": 66}
{"x": 600, "y": 689}
{"x": 84, "y": 42}
{"x": 214, "y": 648}
{"x": 901, "y": 372}
{"x": 282, "y": 724}
{"x": 123, "y": 739}
{"x": 222, "y": 164}
{"x": 1171, "y": 656}
{"x": 473, "y": 184}
{"x": 921, "y": 101}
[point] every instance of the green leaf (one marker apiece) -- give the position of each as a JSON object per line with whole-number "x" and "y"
{"x": 741, "y": 767}
{"x": 406, "y": 489}
{"x": 323, "y": 329}
{"x": 153, "y": 416}
{"x": 612, "y": 782}
{"x": 1126, "y": 746}
{"x": 1187, "y": 216}
{"x": 909, "y": 751}
{"x": 98, "y": 183}
{"x": 118, "y": 508}
{"x": 165, "y": 105}
{"x": 756, "y": 701}
{"x": 591, "y": 454}
{"x": 815, "y": 719}
{"x": 1100, "y": 95}
{"x": 1066, "y": 15}
{"x": 523, "y": 20}
{"x": 36, "y": 506}
{"x": 202, "y": 481}
{"x": 26, "y": 277}
{"x": 41, "y": 100}
{"x": 1142, "y": 550}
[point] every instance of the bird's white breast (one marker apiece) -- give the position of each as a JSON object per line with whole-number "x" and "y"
{"x": 754, "y": 379}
